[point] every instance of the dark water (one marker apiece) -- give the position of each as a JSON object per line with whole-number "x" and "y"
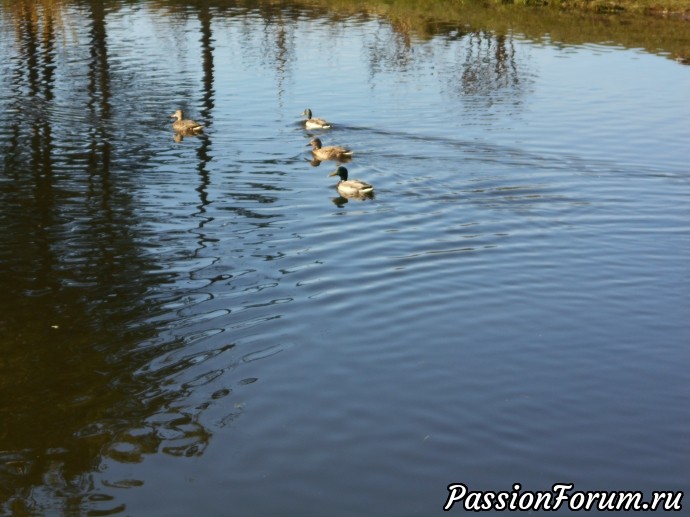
{"x": 201, "y": 327}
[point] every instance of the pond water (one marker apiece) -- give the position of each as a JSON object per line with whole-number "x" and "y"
{"x": 201, "y": 325}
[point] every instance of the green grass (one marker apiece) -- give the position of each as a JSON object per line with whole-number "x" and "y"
{"x": 657, "y": 26}
{"x": 680, "y": 8}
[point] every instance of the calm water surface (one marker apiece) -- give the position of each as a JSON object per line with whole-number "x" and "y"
{"x": 202, "y": 326}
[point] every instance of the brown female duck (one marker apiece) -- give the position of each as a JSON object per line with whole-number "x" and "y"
{"x": 331, "y": 152}
{"x": 182, "y": 125}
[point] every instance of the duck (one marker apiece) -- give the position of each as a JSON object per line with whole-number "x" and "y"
{"x": 331, "y": 152}
{"x": 314, "y": 123}
{"x": 351, "y": 188}
{"x": 183, "y": 125}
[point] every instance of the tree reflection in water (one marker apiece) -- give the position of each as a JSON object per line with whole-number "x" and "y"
{"x": 72, "y": 298}
{"x": 490, "y": 70}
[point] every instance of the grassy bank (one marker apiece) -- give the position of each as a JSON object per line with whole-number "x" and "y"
{"x": 657, "y": 26}
{"x": 441, "y": 8}
{"x": 657, "y": 7}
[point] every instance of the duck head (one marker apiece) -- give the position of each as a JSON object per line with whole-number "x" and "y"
{"x": 340, "y": 171}
{"x": 315, "y": 143}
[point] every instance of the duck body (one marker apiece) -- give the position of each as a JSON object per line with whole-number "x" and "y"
{"x": 331, "y": 152}
{"x": 314, "y": 123}
{"x": 182, "y": 125}
{"x": 351, "y": 188}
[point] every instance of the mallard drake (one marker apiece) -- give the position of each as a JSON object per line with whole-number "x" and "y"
{"x": 314, "y": 123}
{"x": 331, "y": 152}
{"x": 351, "y": 188}
{"x": 183, "y": 125}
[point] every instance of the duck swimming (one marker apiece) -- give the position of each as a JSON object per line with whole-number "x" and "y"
{"x": 351, "y": 188}
{"x": 331, "y": 152}
{"x": 314, "y": 123}
{"x": 182, "y": 125}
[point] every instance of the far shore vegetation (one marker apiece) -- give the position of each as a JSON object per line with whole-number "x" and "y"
{"x": 657, "y": 7}
{"x": 656, "y": 26}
